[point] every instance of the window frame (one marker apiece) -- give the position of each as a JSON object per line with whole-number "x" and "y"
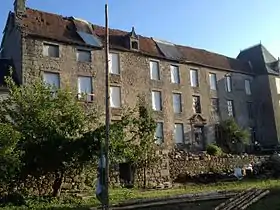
{"x": 158, "y": 70}
{"x": 83, "y": 50}
{"x": 120, "y": 96}
{"x": 228, "y": 86}
{"x": 210, "y": 81}
{"x": 249, "y": 90}
{"x": 89, "y": 96}
{"x": 111, "y": 63}
{"x": 53, "y": 73}
{"x": 217, "y": 111}
{"x": 180, "y": 104}
{"x": 175, "y": 132}
{"x": 158, "y": 140}
{"x": 196, "y": 79}
{"x": 232, "y": 108}
{"x": 160, "y": 100}
{"x": 199, "y": 100}
{"x": 52, "y": 45}
{"x": 173, "y": 80}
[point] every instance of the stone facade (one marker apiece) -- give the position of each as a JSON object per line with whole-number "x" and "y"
{"x": 26, "y": 50}
{"x": 135, "y": 79}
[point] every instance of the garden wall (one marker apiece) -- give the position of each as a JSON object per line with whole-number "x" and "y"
{"x": 171, "y": 165}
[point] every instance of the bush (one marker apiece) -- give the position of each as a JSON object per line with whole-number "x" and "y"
{"x": 213, "y": 149}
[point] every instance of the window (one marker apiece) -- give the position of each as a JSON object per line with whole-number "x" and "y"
{"x": 83, "y": 55}
{"x": 175, "y": 75}
{"x": 250, "y": 110}
{"x": 228, "y": 83}
{"x": 159, "y": 133}
{"x": 247, "y": 87}
{"x": 196, "y": 104}
{"x": 156, "y": 100}
{"x": 134, "y": 45}
{"x": 213, "y": 81}
{"x": 51, "y": 50}
{"x": 215, "y": 106}
{"x": 154, "y": 70}
{"x": 115, "y": 97}
{"x": 114, "y": 66}
{"x": 277, "y": 81}
{"x": 177, "y": 103}
{"x": 179, "y": 133}
{"x": 85, "y": 90}
{"x": 194, "y": 77}
{"x": 52, "y": 79}
{"x": 230, "y": 108}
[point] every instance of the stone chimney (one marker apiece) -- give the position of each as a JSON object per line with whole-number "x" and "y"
{"x": 19, "y": 7}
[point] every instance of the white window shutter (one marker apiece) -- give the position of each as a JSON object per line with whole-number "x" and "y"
{"x": 46, "y": 50}
{"x": 115, "y": 97}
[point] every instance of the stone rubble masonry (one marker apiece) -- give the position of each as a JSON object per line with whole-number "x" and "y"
{"x": 135, "y": 79}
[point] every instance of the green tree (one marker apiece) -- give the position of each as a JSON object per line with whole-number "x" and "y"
{"x": 54, "y": 130}
{"x": 234, "y": 138}
{"x": 132, "y": 138}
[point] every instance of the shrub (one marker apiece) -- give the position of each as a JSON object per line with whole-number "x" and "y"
{"x": 213, "y": 149}
{"x": 234, "y": 138}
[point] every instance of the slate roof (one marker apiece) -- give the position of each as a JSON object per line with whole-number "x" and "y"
{"x": 64, "y": 29}
{"x": 262, "y": 60}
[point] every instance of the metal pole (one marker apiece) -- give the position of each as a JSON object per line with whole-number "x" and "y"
{"x": 106, "y": 201}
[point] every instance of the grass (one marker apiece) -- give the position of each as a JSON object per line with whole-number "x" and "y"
{"x": 122, "y": 195}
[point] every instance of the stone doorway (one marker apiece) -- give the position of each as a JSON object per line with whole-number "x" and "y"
{"x": 199, "y": 137}
{"x": 198, "y": 141}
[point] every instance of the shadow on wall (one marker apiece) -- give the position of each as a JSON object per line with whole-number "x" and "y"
{"x": 229, "y": 97}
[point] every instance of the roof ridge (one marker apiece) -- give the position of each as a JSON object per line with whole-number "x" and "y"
{"x": 145, "y": 37}
{"x": 253, "y": 46}
{"x": 59, "y": 30}
{"x": 50, "y": 13}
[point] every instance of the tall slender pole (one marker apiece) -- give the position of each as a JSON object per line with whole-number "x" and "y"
{"x": 106, "y": 201}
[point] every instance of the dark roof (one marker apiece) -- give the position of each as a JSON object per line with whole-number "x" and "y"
{"x": 5, "y": 65}
{"x": 261, "y": 59}
{"x": 64, "y": 29}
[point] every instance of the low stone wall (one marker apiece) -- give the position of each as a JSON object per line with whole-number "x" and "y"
{"x": 171, "y": 165}
{"x": 184, "y": 163}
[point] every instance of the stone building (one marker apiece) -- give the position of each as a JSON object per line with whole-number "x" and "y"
{"x": 190, "y": 90}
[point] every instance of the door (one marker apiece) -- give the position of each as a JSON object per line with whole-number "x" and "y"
{"x": 199, "y": 140}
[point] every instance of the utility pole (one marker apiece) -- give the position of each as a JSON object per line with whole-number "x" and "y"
{"x": 106, "y": 200}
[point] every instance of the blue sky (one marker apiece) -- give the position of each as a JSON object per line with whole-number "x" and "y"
{"x": 220, "y": 26}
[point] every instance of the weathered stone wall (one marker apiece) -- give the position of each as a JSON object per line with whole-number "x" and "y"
{"x": 182, "y": 163}
{"x": 135, "y": 79}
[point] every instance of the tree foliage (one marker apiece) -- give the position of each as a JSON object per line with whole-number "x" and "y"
{"x": 234, "y": 138}
{"x": 132, "y": 138}
{"x": 48, "y": 132}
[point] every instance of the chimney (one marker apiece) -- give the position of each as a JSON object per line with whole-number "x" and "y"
{"x": 19, "y": 7}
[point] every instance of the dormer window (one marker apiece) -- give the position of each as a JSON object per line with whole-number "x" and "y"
{"x": 134, "y": 45}
{"x": 133, "y": 40}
